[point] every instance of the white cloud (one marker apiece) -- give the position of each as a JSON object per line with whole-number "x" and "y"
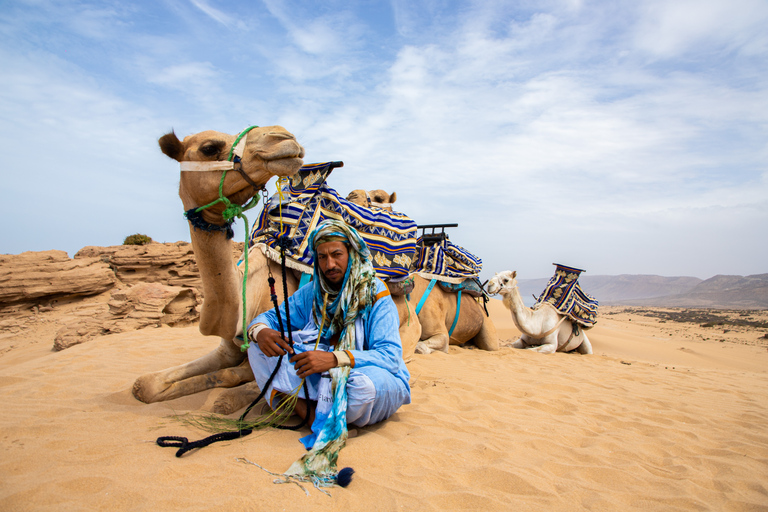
{"x": 543, "y": 129}
{"x": 669, "y": 29}
{"x": 215, "y": 14}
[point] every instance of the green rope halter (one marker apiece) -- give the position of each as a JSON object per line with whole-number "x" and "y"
{"x": 232, "y": 210}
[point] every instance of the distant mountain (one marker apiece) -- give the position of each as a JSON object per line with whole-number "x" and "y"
{"x": 732, "y": 292}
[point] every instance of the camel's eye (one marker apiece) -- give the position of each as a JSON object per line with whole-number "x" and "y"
{"x": 212, "y": 148}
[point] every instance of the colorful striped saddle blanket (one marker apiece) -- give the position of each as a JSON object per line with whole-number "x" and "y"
{"x": 565, "y": 294}
{"x": 307, "y": 200}
{"x": 446, "y": 262}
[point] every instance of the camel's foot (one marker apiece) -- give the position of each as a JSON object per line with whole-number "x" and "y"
{"x": 439, "y": 341}
{"x": 149, "y": 387}
{"x": 547, "y": 348}
{"x": 422, "y": 348}
{"x": 229, "y": 400}
{"x": 519, "y": 344}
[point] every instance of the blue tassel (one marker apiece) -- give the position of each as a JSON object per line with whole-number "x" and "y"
{"x": 345, "y": 476}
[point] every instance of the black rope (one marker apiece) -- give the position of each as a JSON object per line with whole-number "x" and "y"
{"x": 195, "y": 218}
{"x": 184, "y": 445}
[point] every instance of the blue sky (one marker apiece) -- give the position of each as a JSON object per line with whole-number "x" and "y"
{"x": 618, "y": 137}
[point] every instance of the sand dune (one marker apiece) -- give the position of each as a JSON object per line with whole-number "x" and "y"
{"x": 659, "y": 418}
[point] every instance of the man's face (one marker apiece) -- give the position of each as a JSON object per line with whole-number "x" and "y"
{"x": 333, "y": 258}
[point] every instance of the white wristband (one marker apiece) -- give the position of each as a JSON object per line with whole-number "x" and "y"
{"x": 255, "y": 330}
{"x": 342, "y": 358}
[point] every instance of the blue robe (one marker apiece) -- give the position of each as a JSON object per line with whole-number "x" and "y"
{"x": 378, "y": 379}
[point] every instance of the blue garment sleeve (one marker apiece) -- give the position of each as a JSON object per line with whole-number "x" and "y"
{"x": 382, "y": 330}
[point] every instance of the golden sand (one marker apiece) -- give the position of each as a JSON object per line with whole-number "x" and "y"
{"x": 664, "y": 416}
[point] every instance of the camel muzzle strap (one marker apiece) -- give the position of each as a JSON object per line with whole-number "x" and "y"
{"x": 374, "y": 203}
{"x": 235, "y": 154}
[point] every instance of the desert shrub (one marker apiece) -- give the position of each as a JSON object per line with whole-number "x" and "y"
{"x": 137, "y": 239}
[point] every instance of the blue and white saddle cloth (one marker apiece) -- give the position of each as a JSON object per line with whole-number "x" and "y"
{"x": 308, "y": 200}
{"x": 565, "y": 294}
{"x": 446, "y": 262}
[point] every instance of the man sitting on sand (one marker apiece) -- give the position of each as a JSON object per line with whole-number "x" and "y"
{"x": 348, "y": 340}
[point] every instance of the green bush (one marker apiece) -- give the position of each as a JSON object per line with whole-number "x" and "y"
{"x": 137, "y": 239}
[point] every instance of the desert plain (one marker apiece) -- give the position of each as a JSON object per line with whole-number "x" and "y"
{"x": 669, "y": 413}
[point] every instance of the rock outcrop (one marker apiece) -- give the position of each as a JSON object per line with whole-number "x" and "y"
{"x": 101, "y": 290}
{"x": 131, "y": 308}
{"x": 32, "y": 277}
{"x": 172, "y": 264}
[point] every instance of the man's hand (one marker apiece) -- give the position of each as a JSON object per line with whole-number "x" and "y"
{"x": 272, "y": 344}
{"x": 313, "y": 361}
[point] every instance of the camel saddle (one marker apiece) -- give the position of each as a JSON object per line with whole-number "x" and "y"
{"x": 439, "y": 258}
{"x": 307, "y": 201}
{"x": 564, "y": 293}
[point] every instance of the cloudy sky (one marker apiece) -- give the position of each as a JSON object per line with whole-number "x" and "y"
{"x": 619, "y": 137}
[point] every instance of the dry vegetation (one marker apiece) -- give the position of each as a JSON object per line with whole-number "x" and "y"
{"x": 748, "y": 327}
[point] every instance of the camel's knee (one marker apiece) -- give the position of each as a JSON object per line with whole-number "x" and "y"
{"x": 487, "y": 338}
{"x": 585, "y": 347}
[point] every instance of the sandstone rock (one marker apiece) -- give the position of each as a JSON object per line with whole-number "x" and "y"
{"x": 30, "y": 277}
{"x": 131, "y": 308}
{"x": 171, "y": 264}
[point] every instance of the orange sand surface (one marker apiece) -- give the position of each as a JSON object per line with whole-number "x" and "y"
{"x": 664, "y": 416}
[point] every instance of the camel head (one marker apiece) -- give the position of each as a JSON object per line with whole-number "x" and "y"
{"x": 264, "y": 152}
{"x": 378, "y": 198}
{"x": 502, "y": 282}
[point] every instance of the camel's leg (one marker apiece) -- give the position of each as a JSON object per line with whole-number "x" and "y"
{"x": 224, "y": 378}
{"x": 585, "y": 347}
{"x": 487, "y": 338}
{"x": 192, "y": 377}
{"x": 545, "y": 348}
{"x": 410, "y": 327}
{"x": 519, "y": 343}
{"x": 422, "y": 348}
{"x": 439, "y": 341}
{"x": 230, "y": 400}
{"x": 547, "y": 345}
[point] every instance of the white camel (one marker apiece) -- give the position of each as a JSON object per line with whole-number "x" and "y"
{"x": 543, "y": 329}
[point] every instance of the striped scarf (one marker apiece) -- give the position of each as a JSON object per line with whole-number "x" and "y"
{"x": 354, "y": 299}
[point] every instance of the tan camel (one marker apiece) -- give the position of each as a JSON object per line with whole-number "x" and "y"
{"x": 438, "y": 312}
{"x": 544, "y": 329}
{"x": 437, "y": 316}
{"x": 410, "y": 328}
{"x": 372, "y": 198}
{"x": 265, "y": 152}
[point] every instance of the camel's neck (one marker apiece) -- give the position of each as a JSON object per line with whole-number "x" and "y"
{"x": 521, "y": 314}
{"x": 221, "y": 283}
